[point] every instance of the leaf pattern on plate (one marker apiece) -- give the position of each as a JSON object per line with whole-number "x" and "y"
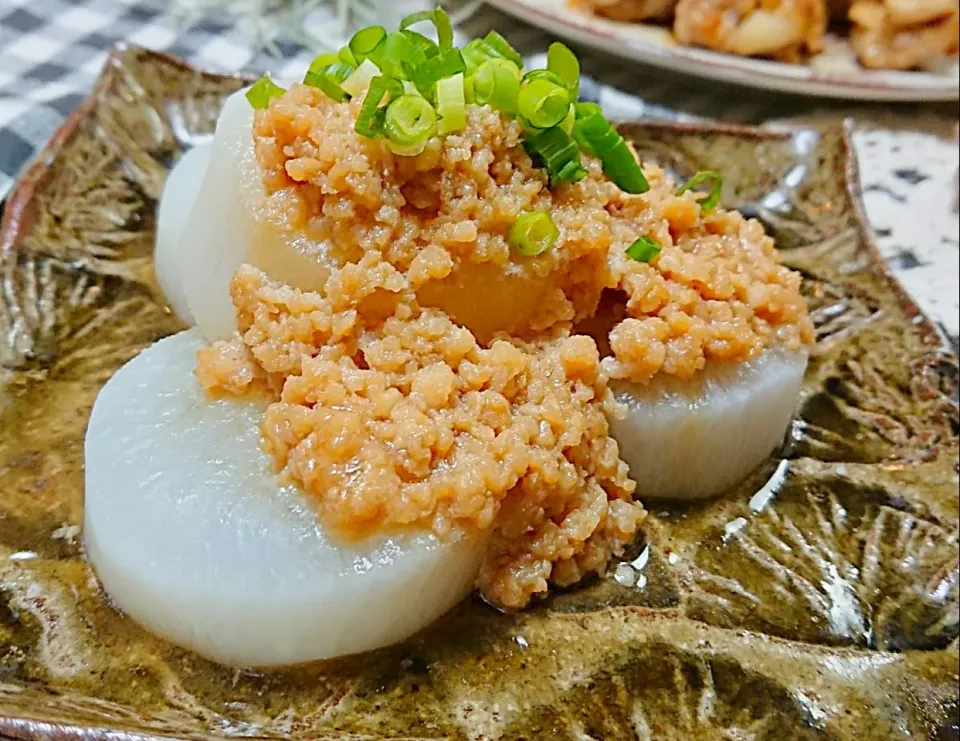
{"x": 63, "y": 322}
{"x": 831, "y": 564}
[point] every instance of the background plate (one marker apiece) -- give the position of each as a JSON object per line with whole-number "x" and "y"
{"x": 654, "y": 45}
{"x": 823, "y": 608}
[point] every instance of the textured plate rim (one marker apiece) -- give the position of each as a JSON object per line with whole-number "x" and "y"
{"x": 623, "y": 39}
{"x": 18, "y": 217}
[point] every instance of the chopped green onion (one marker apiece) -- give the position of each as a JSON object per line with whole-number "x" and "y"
{"x": 330, "y": 79}
{"x": 409, "y": 123}
{"x": 568, "y": 123}
{"x": 429, "y": 72}
{"x": 496, "y": 83}
{"x": 451, "y": 105}
{"x": 360, "y": 79}
{"x": 644, "y": 249}
{"x": 582, "y": 110}
{"x": 618, "y": 162}
{"x": 366, "y": 41}
{"x": 346, "y": 56}
{"x": 263, "y": 91}
{"x": 572, "y": 172}
{"x": 709, "y": 201}
{"x": 417, "y": 42}
{"x": 554, "y": 150}
{"x": 565, "y": 65}
{"x": 544, "y": 74}
{"x": 476, "y": 52}
{"x": 503, "y": 48}
{"x": 468, "y": 89}
{"x": 533, "y": 232}
{"x": 370, "y": 120}
{"x": 440, "y": 21}
{"x": 323, "y": 60}
{"x": 543, "y": 103}
{"x": 410, "y": 89}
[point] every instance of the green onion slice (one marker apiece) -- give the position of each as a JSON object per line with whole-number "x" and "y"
{"x": 428, "y": 72}
{"x": 542, "y": 103}
{"x": 503, "y": 48}
{"x": 330, "y": 80}
{"x": 451, "y": 104}
{"x": 359, "y": 79}
{"x": 544, "y": 74}
{"x": 440, "y": 21}
{"x": 644, "y": 249}
{"x": 323, "y": 60}
{"x": 582, "y": 110}
{"x": 366, "y": 41}
{"x": 346, "y": 56}
{"x": 533, "y": 232}
{"x": 263, "y": 91}
{"x": 496, "y": 83}
{"x": 410, "y": 121}
{"x": 572, "y": 172}
{"x": 370, "y": 120}
{"x": 554, "y": 150}
{"x": 603, "y": 140}
{"x": 709, "y": 201}
{"x": 568, "y": 123}
{"x": 476, "y": 52}
{"x": 564, "y": 64}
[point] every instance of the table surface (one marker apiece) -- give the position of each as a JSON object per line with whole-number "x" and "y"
{"x": 52, "y": 50}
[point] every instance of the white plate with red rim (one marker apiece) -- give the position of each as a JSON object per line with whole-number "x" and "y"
{"x": 833, "y": 74}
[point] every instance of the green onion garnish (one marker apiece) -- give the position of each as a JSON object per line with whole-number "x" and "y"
{"x": 542, "y": 103}
{"x": 476, "y": 52}
{"x": 417, "y": 88}
{"x": 409, "y": 123}
{"x": 359, "y": 79}
{"x": 503, "y": 48}
{"x": 565, "y": 65}
{"x": 440, "y": 21}
{"x": 582, "y": 110}
{"x": 323, "y": 60}
{"x": 429, "y": 72}
{"x": 572, "y": 172}
{"x": 263, "y": 91}
{"x": 497, "y": 83}
{"x": 330, "y": 80}
{"x": 644, "y": 249}
{"x": 615, "y": 156}
{"x": 366, "y": 41}
{"x": 709, "y": 201}
{"x": 451, "y": 106}
{"x": 554, "y": 149}
{"x": 371, "y": 118}
{"x": 346, "y": 56}
{"x": 533, "y": 233}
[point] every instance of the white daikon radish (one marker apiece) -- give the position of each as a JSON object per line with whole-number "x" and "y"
{"x": 232, "y": 224}
{"x": 693, "y": 439}
{"x": 179, "y": 194}
{"x": 192, "y": 536}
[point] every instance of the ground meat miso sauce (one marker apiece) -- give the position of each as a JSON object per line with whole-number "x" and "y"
{"x": 438, "y": 379}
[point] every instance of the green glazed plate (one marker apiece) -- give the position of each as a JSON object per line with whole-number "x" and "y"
{"x": 816, "y": 602}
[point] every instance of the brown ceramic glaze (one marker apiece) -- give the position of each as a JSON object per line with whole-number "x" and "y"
{"x": 823, "y": 608}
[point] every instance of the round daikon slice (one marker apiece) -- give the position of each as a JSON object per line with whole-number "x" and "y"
{"x": 192, "y": 536}
{"x": 694, "y": 439}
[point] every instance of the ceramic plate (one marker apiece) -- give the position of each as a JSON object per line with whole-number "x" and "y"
{"x": 834, "y": 74}
{"x": 818, "y": 601}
